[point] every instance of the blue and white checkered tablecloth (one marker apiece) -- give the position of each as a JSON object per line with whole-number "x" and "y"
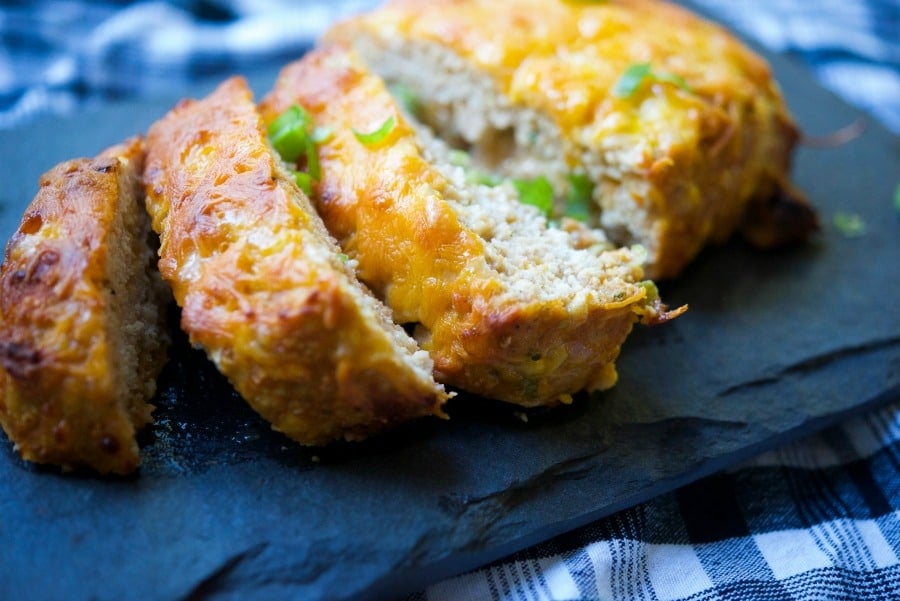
{"x": 812, "y": 520}
{"x": 58, "y": 54}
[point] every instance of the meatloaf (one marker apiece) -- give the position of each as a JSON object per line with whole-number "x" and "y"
{"x": 509, "y": 304}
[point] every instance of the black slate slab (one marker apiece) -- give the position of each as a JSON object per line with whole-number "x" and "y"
{"x": 775, "y": 345}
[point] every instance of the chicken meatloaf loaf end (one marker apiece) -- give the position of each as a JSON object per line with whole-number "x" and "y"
{"x": 679, "y": 127}
{"x": 509, "y": 305}
{"x": 263, "y": 287}
{"x": 82, "y": 317}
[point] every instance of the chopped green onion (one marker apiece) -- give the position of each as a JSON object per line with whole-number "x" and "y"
{"x": 312, "y": 161}
{"x": 635, "y": 76}
{"x": 291, "y": 142}
{"x": 459, "y": 158}
{"x": 304, "y": 182}
{"x": 379, "y": 135}
{"x": 631, "y": 80}
{"x": 652, "y": 290}
{"x": 289, "y": 134}
{"x": 406, "y": 97}
{"x": 850, "y": 225}
{"x": 536, "y": 192}
{"x": 343, "y": 257}
{"x": 580, "y": 197}
{"x": 292, "y": 116}
{"x": 293, "y": 136}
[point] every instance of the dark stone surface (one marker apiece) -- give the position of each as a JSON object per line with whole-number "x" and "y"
{"x": 775, "y": 345}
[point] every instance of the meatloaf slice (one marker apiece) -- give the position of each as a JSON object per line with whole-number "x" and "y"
{"x": 83, "y": 334}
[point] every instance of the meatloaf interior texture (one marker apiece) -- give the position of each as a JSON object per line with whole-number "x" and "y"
{"x": 680, "y": 128}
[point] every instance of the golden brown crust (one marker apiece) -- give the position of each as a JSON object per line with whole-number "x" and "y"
{"x": 64, "y": 399}
{"x": 385, "y": 204}
{"x": 690, "y": 158}
{"x": 262, "y": 286}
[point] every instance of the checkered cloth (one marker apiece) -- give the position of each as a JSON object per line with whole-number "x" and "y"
{"x": 814, "y": 520}
{"x": 56, "y": 55}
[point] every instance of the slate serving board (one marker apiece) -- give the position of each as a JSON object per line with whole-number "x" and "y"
{"x": 775, "y": 345}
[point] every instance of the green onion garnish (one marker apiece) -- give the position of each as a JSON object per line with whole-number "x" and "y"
{"x": 293, "y": 136}
{"x": 312, "y": 161}
{"x": 292, "y": 116}
{"x": 631, "y": 80}
{"x": 580, "y": 197}
{"x": 289, "y": 133}
{"x": 304, "y": 182}
{"x": 635, "y": 76}
{"x": 652, "y": 290}
{"x": 850, "y": 225}
{"x": 379, "y": 134}
{"x": 459, "y": 158}
{"x": 536, "y": 192}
